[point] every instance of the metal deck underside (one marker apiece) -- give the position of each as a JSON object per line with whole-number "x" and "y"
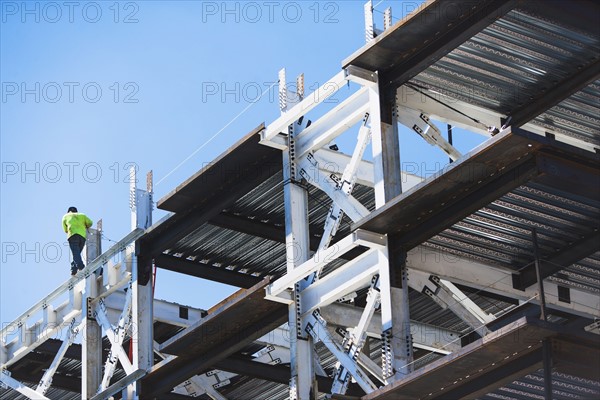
{"x": 534, "y": 61}
{"x": 243, "y": 243}
{"x": 66, "y": 383}
{"x": 243, "y": 240}
{"x": 492, "y": 198}
{"x": 510, "y": 352}
{"x": 227, "y": 329}
{"x": 529, "y": 60}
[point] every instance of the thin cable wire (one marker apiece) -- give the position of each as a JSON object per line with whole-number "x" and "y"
{"x": 383, "y": 13}
{"x": 417, "y": 88}
{"x": 216, "y": 134}
{"x": 107, "y": 238}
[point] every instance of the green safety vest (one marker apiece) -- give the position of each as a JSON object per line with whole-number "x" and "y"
{"x": 76, "y": 223}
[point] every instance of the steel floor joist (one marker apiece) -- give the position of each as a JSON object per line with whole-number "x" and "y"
{"x": 229, "y": 326}
{"x": 488, "y": 363}
{"x": 535, "y": 62}
{"x": 493, "y": 181}
{"x": 536, "y": 65}
{"x": 501, "y": 164}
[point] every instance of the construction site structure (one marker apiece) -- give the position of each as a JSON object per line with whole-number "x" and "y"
{"x": 359, "y": 280}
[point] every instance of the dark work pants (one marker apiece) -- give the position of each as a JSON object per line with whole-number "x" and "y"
{"x": 76, "y": 243}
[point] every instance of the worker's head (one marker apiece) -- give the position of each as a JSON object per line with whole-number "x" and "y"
{"x": 72, "y": 209}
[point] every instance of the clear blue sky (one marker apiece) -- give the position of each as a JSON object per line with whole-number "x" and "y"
{"x": 91, "y": 87}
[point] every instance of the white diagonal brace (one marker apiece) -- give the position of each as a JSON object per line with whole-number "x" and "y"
{"x": 346, "y": 185}
{"x": 120, "y": 385}
{"x": 419, "y": 122}
{"x": 15, "y": 385}
{"x": 335, "y": 122}
{"x": 359, "y": 333}
{"x": 424, "y": 336}
{"x": 476, "y": 274}
{"x": 332, "y": 222}
{"x": 371, "y": 367}
{"x": 454, "y": 293}
{"x": 363, "y": 360}
{"x": 449, "y": 296}
{"x": 291, "y": 115}
{"x": 46, "y": 380}
{"x": 317, "y": 328}
{"x": 309, "y": 170}
{"x": 116, "y": 339}
{"x": 349, "y": 175}
{"x": 335, "y": 162}
{"x": 357, "y": 337}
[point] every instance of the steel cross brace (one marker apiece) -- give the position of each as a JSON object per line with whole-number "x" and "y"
{"x": 363, "y": 360}
{"x": 46, "y": 380}
{"x": 198, "y": 384}
{"x": 447, "y": 295}
{"x": 11, "y": 383}
{"x": 354, "y": 343}
{"x": 420, "y": 123}
{"x": 116, "y": 337}
{"x": 476, "y": 274}
{"x": 335, "y": 214}
{"x": 317, "y": 328}
{"x": 309, "y": 170}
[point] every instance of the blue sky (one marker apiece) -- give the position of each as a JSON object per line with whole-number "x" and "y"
{"x": 92, "y": 87}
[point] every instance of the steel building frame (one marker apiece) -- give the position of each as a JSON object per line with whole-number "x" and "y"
{"x": 339, "y": 308}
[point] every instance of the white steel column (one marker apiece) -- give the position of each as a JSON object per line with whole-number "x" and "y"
{"x": 142, "y": 295}
{"x": 395, "y": 316}
{"x": 91, "y": 340}
{"x": 302, "y": 383}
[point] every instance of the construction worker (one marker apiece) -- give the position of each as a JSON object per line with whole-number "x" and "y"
{"x": 75, "y": 225}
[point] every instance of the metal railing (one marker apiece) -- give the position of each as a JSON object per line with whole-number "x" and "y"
{"x": 21, "y": 321}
